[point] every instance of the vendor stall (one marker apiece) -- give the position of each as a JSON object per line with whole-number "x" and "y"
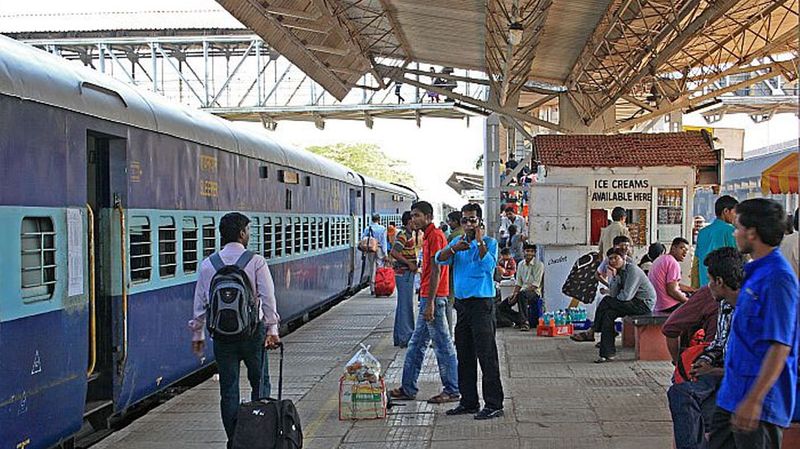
{"x": 781, "y": 177}
{"x": 583, "y": 177}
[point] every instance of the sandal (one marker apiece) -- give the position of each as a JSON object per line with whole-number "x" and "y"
{"x": 605, "y": 359}
{"x": 443, "y": 398}
{"x": 400, "y": 395}
{"x": 583, "y": 336}
{"x": 524, "y": 328}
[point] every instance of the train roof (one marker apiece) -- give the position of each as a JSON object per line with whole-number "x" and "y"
{"x": 386, "y": 186}
{"x": 32, "y": 74}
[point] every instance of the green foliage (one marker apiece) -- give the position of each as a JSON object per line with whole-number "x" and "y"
{"x": 367, "y": 159}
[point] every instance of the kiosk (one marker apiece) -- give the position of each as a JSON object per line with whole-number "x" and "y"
{"x": 581, "y": 178}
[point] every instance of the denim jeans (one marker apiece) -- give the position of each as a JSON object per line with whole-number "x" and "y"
{"x": 692, "y": 405}
{"x": 404, "y": 312}
{"x": 229, "y": 356}
{"x": 451, "y": 317}
{"x": 443, "y": 346}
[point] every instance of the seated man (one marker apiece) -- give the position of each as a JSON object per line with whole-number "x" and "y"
{"x": 665, "y": 275}
{"x": 506, "y": 266}
{"x": 692, "y": 403}
{"x": 527, "y": 290}
{"x": 630, "y": 293}
{"x": 622, "y": 242}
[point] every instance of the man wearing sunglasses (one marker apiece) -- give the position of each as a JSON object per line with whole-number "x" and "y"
{"x": 473, "y": 258}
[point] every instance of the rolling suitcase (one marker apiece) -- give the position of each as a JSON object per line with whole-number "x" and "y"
{"x": 269, "y": 423}
{"x": 384, "y": 281}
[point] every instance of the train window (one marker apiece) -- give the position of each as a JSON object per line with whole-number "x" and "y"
{"x": 308, "y": 181}
{"x": 140, "y": 249}
{"x": 189, "y": 244}
{"x": 263, "y": 172}
{"x": 167, "y": 247}
{"x": 255, "y": 236}
{"x": 38, "y": 239}
{"x": 277, "y": 231}
{"x": 337, "y": 232}
{"x": 347, "y": 232}
{"x": 298, "y": 235}
{"x": 306, "y": 234}
{"x": 209, "y": 237}
{"x": 288, "y": 199}
{"x": 320, "y": 232}
{"x": 287, "y": 237}
{"x": 267, "y": 238}
{"x": 327, "y": 225}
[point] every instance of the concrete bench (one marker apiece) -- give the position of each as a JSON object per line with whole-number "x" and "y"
{"x": 643, "y": 332}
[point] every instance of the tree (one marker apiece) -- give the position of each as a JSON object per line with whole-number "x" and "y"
{"x": 367, "y": 159}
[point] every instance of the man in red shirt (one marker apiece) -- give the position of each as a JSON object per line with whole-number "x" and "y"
{"x": 432, "y": 322}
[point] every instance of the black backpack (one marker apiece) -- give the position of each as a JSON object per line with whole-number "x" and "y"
{"x": 232, "y": 310}
{"x": 268, "y": 423}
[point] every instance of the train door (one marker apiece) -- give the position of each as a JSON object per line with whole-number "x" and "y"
{"x": 353, "y": 208}
{"x": 106, "y": 180}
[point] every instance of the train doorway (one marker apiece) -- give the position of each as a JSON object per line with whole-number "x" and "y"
{"x": 106, "y": 181}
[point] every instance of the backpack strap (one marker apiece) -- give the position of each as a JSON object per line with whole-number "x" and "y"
{"x": 216, "y": 261}
{"x": 244, "y": 259}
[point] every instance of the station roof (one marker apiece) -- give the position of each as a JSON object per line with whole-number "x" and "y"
{"x": 691, "y": 149}
{"x": 600, "y": 52}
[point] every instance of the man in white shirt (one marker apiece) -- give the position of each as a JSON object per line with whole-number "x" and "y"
{"x": 527, "y": 290}
{"x": 511, "y": 218}
{"x": 374, "y": 260}
{"x": 230, "y": 352}
{"x": 613, "y": 230}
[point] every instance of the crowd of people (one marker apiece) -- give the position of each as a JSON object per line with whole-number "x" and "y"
{"x": 733, "y": 335}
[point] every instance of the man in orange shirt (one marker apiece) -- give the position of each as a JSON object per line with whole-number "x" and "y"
{"x": 432, "y": 322}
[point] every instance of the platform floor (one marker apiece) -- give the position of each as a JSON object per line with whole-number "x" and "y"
{"x": 555, "y": 396}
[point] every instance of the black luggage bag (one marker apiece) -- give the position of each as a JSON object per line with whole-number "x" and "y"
{"x": 269, "y": 423}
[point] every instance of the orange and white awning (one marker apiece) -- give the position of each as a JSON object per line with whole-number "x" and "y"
{"x": 781, "y": 177}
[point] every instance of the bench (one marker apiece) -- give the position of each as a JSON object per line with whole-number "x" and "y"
{"x": 643, "y": 332}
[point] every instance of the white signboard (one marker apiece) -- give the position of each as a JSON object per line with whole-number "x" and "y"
{"x": 75, "y": 252}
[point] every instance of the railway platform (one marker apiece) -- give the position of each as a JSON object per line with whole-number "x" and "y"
{"x": 555, "y": 396}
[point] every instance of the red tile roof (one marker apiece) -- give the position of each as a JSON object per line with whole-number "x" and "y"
{"x": 625, "y": 150}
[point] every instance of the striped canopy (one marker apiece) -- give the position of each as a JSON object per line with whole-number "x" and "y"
{"x": 781, "y": 177}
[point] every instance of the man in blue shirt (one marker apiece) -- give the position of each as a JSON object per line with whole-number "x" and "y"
{"x": 716, "y": 235}
{"x": 759, "y": 388}
{"x": 473, "y": 258}
{"x": 374, "y": 260}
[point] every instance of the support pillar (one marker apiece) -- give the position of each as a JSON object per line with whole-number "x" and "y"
{"x": 571, "y": 120}
{"x": 491, "y": 174}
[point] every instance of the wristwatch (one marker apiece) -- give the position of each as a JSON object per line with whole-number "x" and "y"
{"x": 480, "y": 243}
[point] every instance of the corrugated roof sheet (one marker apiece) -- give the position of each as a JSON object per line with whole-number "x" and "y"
{"x": 625, "y": 150}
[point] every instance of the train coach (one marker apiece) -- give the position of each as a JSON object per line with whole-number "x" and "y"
{"x": 109, "y": 199}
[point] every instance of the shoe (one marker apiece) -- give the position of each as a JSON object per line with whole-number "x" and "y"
{"x": 461, "y": 410}
{"x": 443, "y": 398}
{"x": 489, "y": 413}
{"x": 400, "y": 395}
{"x": 605, "y": 359}
{"x": 524, "y": 328}
{"x": 582, "y": 336}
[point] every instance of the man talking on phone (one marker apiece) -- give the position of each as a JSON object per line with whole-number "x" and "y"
{"x": 473, "y": 258}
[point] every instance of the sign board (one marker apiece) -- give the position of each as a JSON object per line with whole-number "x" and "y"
{"x": 559, "y": 215}
{"x": 730, "y": 140}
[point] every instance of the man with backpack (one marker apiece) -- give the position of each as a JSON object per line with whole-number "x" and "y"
{"x": 235, "y": 300}
{"x": 698, "y": 369}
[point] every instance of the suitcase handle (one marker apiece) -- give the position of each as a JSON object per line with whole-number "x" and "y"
{"x": 265, "y": 372}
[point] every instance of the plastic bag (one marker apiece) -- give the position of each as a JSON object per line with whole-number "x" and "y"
{"x": 363, "y": 366}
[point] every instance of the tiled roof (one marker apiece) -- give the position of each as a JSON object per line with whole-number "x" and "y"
{"x": 625, "y": 150}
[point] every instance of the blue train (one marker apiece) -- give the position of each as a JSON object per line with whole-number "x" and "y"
{"x": 109, "y": 198}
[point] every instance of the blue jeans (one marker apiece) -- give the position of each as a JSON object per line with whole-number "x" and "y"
{"x": 229, "y": 356}
{"x": 692, "y": 405}
{"x": 404, "y": 312}
{"x": 445, "y": 352}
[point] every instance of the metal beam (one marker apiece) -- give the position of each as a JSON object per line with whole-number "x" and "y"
{"x": 537, "y": 104}
{"x": 397, "y": 76}
{"x": 686, "y": 102}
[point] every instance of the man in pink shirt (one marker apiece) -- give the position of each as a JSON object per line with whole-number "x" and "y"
{"x": 665, "y": 275}
{"x": 229, "y": 352}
